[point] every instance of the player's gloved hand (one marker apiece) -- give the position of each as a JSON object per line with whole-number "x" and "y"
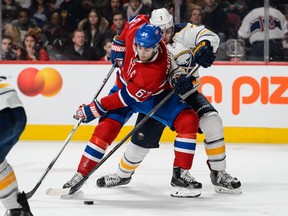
{"x": 203, "y": 53}
{"x": 89, "y": 112}
{"x": 183, "y": 85}
{"x": 118, "y": 50}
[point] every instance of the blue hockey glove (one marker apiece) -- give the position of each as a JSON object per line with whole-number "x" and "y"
{"x": 89, "y": 112}
{"x": 183, "y": 85}
{"x": 204, "y": 55}
{"x": 118, "y": 50}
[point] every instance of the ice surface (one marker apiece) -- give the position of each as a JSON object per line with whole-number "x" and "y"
{"x": 262, "y": 169}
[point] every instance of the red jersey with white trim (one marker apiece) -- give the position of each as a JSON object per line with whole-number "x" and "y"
{"x": 138, "y": 81}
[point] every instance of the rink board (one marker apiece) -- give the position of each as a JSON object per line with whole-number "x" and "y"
{"x": 252, "y": 99}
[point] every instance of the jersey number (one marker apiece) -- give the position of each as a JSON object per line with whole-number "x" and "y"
{"x": 142, "y": 93}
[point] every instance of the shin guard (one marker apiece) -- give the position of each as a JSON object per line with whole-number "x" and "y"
{"x": 104, "y": 134}
{"x": 186, "y": 125}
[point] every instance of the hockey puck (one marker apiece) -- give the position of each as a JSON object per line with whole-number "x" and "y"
{"x": 88, "y": 202}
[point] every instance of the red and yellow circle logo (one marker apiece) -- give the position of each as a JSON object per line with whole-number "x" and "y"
{"x": 47, "y": 82}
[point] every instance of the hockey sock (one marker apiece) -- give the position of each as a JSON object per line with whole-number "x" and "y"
{"x": 186, "y": 125}
{"x": 212, "y": 127}
{"x": 8, "y": 186}
{"x": 104, "y": 134}
{"x": 131, "y": 159}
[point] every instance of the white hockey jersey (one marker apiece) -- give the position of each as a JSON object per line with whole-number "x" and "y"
{"x": 253, "y": 25}
{"x": 190, "y": 35}
{"x": 185, "y": 40}
{"x": 8, "y": 96}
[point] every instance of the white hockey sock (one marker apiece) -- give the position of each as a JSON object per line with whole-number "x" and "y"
{"x": 212, "y": 127}
{"x": 131, "y": 159}
{"x": 8, "y": 186}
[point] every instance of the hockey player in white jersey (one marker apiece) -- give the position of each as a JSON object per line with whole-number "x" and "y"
{"x": 252, "y": 29}
{"x": 12, "y": 124}
{"x": 188, "y": 44}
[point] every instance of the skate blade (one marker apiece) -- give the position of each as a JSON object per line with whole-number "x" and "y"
{"x": 224, "y": 190}
{"x": 185, "y": 193}
{"x": 57, "y": 191}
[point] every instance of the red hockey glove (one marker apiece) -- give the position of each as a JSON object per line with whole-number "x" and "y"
{"x": 118, "y": 50}
{"x": 89, "y": 112}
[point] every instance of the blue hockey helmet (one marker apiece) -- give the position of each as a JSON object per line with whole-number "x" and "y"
{"x": 148, "y": 36}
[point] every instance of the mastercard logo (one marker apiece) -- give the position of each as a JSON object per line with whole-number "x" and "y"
{"x": 47, "y": 82}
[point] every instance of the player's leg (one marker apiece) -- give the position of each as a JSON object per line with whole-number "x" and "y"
{"x": 179, "y": 116}
{"x": 211, "y": 125}
{"x": 104, "y": 134}
{"x": 142, "y": 140}
{"x": 186, "y": 126}
{"x": 12, "y": 124}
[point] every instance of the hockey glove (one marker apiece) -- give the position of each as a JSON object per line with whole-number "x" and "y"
{"x": 89, "y": 112}
{"x": 117, "y": 51}
{"x": 204, "y": 55}
{"x": 183, "y": 86}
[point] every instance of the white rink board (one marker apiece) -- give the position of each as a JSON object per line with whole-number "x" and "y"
{"x": 261, "y": 85}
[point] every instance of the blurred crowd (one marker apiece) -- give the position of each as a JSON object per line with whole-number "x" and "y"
{"x": 84, "y": 29}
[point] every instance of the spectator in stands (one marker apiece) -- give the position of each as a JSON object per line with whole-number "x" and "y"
{"x": 94, "y": 27}
{"x": 134, "y": 8}
{"x": 32, "y": 50}
{"x": 12, "y": 32}
{"x": 78, "y": 51}
{"x": 118, "y": 25}
{"x": 86, "y": 6}
{"x": 9, "y": 11}
{"x": 23, "y": 3}
{"x": 39, "y": 12}
{"x": 107, "y": 47}
{"x": 57, "y": 36}
{"x": 193, "y": 3}
{"x": 215, "y": 19}
{"x": 7, "y": 51}
{"x": 71, "y": 14}
{"x": 113, "y": 7}
{"x": 101, "y": 4}
{"x": 196, "y": 15}
{"x": 238, "y": 7}
{"x": 23, "y": 23}
{"x": 54, "y": 5}
{"x": 252, "y": 29}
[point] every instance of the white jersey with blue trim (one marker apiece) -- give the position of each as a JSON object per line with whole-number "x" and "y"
{"x": 189, "y": 35}
{"x": 253, "y": 25}
{"x": 184, "y": 41}
{"x": 8, "y": 96}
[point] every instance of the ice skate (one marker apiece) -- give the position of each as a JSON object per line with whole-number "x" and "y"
{"x": 24, "y": 211}
{"x": 73, "y": 181}
{"x": 112, "y": 180}
{"x": 225, "y": 183}
{"x": 184, "y": 185}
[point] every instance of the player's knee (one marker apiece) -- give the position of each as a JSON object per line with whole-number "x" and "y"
{"x": 211, "y": 125}
{"x": 135, "y": 153}
{"x": 186, "y": 122}
{"x": 107, "y": 130}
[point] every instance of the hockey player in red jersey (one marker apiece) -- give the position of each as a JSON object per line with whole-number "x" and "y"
{"x": 142, "y": 82}
{"x": 187, "y": 43}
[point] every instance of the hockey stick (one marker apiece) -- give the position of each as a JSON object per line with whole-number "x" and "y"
{"x": 73, "y": 189}
{"x": 31, "y": 193}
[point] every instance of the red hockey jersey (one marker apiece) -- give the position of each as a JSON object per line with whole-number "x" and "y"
{"x": 138, "y": 81}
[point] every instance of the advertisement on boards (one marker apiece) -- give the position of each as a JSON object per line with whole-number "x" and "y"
{"x": 246, "y": 96}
